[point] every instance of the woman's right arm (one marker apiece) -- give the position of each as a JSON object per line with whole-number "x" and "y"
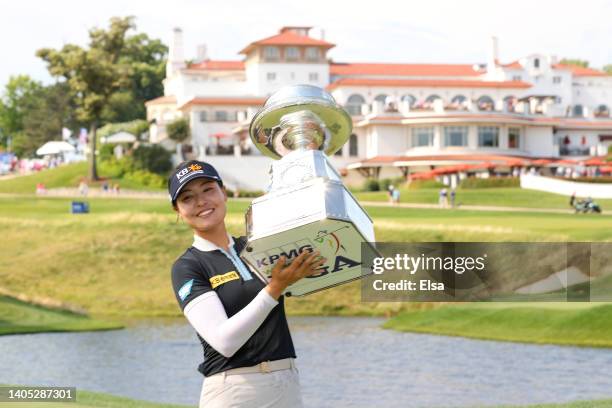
{"x": 226, "y": 335}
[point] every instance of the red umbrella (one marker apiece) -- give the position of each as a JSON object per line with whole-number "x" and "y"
{"x": 541, "y": 162}
{"x": 595, "y": 161}
{"x": 606, "y": 169}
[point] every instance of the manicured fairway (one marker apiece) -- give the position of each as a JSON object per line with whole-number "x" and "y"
{"x": 18, "y": 317}
{"x": 499, "y": 196}
{"x": 116, "y": 260}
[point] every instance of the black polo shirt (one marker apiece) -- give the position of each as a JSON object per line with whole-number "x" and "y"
{"x": 197, "y": 272}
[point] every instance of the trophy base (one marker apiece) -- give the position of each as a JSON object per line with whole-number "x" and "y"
{"x": 319, "y": 214}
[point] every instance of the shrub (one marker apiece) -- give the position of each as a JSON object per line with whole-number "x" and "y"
{"x": 474, "y": 182}
{"x": 371, "y": 185}
{"x": 416, "y": 184}
{"x": 178, "y": 130}
{"x": 146, "y": 178}
{"x": 153, "y": 158}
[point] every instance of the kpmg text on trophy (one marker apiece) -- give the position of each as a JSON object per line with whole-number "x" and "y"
{"x": 306, "y": 207}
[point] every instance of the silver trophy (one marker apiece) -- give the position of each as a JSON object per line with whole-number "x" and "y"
{"x": 306, "y": 207}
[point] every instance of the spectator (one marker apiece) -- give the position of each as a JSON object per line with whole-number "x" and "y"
{"x": 443, "y": 199}
{"x": 390, "y": 191}
{"x": 395, "y": 196}
{"x": 452, "y": 198}
{"x": 83, "y": 187}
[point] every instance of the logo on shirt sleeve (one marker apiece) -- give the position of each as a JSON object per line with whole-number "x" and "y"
{"x": 221, "y": 279}
{"x": 185, "y": 290}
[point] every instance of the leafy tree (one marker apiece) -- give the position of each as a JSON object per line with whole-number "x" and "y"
{"x": 608, "y": 69}
{"x": 178, "y": 131}
{"x": 153, "y": 158}
{"x": 19, "y": 93}
{"x": 110, "y": 78}
{"x": 575, "y": 62}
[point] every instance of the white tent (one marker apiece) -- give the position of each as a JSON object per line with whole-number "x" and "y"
{"x": 120, "y": 137}
{"x": 55, "y": 148}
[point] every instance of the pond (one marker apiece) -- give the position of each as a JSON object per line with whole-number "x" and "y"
{"x": 343, "y": 362}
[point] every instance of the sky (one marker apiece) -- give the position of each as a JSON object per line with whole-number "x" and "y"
{"x": 434, "y": 31}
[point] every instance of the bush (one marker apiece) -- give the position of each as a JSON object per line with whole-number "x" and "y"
{"x": 474, "y": 182}
{"x": 146, "y": 178}
{"x": 371, "y": 185}
{"x": 153, "y": 158}
{"x": 178, "y": 130}
{"x": 396, "y": 182}
{"x": 417, "y": 184}
{"x": 604, "y": 180}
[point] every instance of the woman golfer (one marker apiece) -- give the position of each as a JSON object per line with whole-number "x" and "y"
{"x": 240, "y": 321}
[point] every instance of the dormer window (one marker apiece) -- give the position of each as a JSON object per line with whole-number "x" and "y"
{"x": 271, "y": 53}
{"x": 292, "y": 53}
{"x": 313, "y": 54}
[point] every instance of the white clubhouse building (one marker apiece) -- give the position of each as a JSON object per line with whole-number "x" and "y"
{"x": 406, "y": 117}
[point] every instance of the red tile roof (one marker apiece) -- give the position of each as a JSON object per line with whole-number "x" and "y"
{"x": 512, "y": 65}
{"x": 225, "y": 101}
{"x": 161, "y": 100}
{"x": 288, "y": 38}
{"x": 453, "y": 83}
{"x": 580, "y": 71}
{"x": 210, "y": 65}
{"x": 403, "y": 69}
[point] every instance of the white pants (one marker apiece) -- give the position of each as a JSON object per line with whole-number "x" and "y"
{"x": 278, "y": 389}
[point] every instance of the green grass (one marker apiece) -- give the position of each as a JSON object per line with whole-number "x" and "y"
{"x": 87, "y": 399}
{"x": 67, "y": 176}
{"x": 589, "y": 327}
{"x": 502, "y": 197}
{"x": 17, "y": 317}
{"x": 116, "y": 260}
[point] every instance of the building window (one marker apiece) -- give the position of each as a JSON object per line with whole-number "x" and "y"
{"x": 203, "y": 116}
{"x": 556, "y": 80}
{"x": 220, "y": 116}
{"x": 410, "y": 99}
{"x": 602, "y": 111}
{"x": 536, "y": 63}
{"x": 271, "y": 76}
{"x": 510, "y": 103}
{"x": 485, "y": 103}
{"x": 353, "y": 145}
{"x": 292, "y": 53}
{"x": 422, "y": 136}
{"x": 488, "y": 136}
{"x": 455, "y": 135}
{"x": 514, "y": 138}
{"x": 558, "y": 100}
{"x": 353, "y": 104}
{"x": 459, "y": 102}
{"x": 271, "y": 53}
{"x": 313, "y": 77}
{"x": 578, "y": 111}
{"x": 517, "y": 78}
{"x": 313, "y": 54}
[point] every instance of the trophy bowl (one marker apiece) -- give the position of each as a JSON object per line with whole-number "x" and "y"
{"x": 307, "y": 207}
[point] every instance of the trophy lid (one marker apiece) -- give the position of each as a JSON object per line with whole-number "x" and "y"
{"x": 300, "y": 117}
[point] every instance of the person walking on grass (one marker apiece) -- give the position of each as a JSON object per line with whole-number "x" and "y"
{"x": 239, "y": 320}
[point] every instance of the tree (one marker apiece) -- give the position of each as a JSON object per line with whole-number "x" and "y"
{"x": 608, "y": 69}
{"x": 575, "y": 62}
{"x": 109, "y": 79}
{"x": 178, "y": 131}
{"x": 19, "y": 93}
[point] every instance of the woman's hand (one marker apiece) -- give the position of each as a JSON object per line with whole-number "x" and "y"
{"x": 305, "y": 264}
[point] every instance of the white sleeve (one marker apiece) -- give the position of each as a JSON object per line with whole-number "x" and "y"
{"x": 208, "y": 317}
